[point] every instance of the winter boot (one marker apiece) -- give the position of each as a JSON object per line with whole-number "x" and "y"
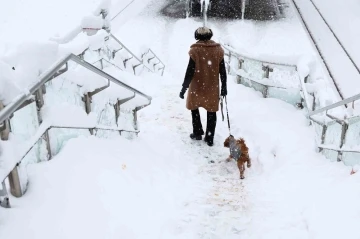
{"x": 210, "y": 128}
{"x": 197, "y": 126}
{"x": 195, "y": 137}
{"x": 209, "y": 140}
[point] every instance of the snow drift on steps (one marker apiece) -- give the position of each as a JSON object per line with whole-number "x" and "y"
{"x": 136, "y": 190}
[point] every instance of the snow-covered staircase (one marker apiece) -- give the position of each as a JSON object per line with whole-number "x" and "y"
{"x": 79, "y": 95}
{"x": 45, "y": 103}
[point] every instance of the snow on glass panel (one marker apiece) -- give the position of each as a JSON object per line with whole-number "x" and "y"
{"x": 62, "y": 98}
{"x": 352, "y": 141}
{"x": 332, "y": 139}
{"x": 291, "y": 96}
{"x": 253, "y": 69}
{"x": 24, "y": 125}
{"x": 285, "y": 77}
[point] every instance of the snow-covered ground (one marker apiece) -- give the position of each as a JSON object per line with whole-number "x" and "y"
{"x": 162, "y": 184}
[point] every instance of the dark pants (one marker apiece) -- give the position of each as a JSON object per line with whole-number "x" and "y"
{"x": 210, "y": 126}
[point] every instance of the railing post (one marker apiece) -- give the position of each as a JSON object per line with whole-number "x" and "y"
{"x": 323, "y": 136}
{"x": 104, "y": 14}
{"x": 135, "y": 122}
{"x": 344, "y": 129}
{"x": 5, "y": 132}
{"x": 229, "y": 62}
{"x": 87, "y": 101}
{"x": 15, "y": 184}
{"x": 43, "y": 88}
{"x": 267, "y": 71}
{"x": 14, "y": 180}
{"x": 240, "y": 66}
{"x": 117, "y": 112}
{"x": 4, "y": 197}
{"x": 39, "y": 99}
{"x": 117, "y": 107}
{"x": 101, "y": 61}
{"x": 266, "y": 75}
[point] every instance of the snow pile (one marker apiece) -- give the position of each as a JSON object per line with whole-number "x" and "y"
{"x": 339, "y": 201}
{"x": 27, "y": 69}
{"x": 87, "y": 80}
{"x": 8, "y": 89}
{"x": 115, "y": 91}
{"x": 97, "y": 41}
{"x": 92, "y": 22}
{"x": 324, "y": 94}
{"x": 124, "y": 184}
{"x": 21, "y": 57}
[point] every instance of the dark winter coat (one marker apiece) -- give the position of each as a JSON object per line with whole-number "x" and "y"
{"x": 208, "y": 58}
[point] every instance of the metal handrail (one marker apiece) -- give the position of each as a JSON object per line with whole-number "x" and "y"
{"x": 122, "y": 10}
{"x": 344, "y": 149}
{"x": 137, "y": 58}
{"x": 265, "y": 61}
{"x": 157, "y": 57}
{"x": 10, "y": 108}
{"x": 302, "y": 82}
{"x": 109, "y": 62}
{"x": 127, "y": 49}
{"x": 337, "y": 104}
{"x": 239, "y": 56}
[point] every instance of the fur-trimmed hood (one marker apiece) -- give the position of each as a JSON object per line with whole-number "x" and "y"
{"x": 209, "y": 43}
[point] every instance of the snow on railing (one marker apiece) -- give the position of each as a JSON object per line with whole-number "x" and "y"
{"x": 101, "y": 53}
{"x": 283, "y": 82}
{"x": 106, "y": 44}
{"x": 148, "y": 59}
{"x": 337, "y": 131}
{"x": 11, "y": 159}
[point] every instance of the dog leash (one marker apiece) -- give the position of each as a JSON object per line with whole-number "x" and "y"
{"x": 222, "y": 108}
{"x": 227, "y": 114}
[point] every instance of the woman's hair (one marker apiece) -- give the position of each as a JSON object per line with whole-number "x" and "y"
{"x": 203, "y": 34}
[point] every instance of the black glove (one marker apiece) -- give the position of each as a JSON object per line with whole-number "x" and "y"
{"x": 223, "y": 91}
{"x": 182, "y": 93}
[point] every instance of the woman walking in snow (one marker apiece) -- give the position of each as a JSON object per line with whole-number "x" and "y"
{"x": 202, "y": 78}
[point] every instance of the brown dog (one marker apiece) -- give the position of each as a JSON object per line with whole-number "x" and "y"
{"x": 238, "y": 151}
